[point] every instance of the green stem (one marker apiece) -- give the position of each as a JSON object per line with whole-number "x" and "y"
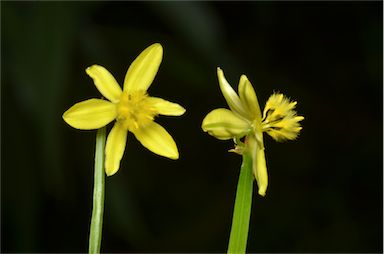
{"x": 98, "y": 194}
{"x": 242, "y": 210}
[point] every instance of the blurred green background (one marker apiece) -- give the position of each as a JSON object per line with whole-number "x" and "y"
{"x": 325, "y": 192}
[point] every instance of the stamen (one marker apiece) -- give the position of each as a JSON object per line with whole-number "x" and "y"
{"x": 269, "y": 111}
{"x": 135, "y": 111}
{"x": 280, "y": 120}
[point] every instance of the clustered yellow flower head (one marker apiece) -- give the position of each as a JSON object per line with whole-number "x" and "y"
{"x": 244, "y": 119}
{"x": 131, "y": 107}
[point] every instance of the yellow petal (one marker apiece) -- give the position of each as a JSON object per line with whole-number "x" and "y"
{"x": 164, "y": 107}
{"x": 143, "y": 70}
{"x": 105, "y": 82}
{"x": 248, "y": 98}
{"x": 157, "y": 139}
{"x": 259, "y": 165}
{"x": 230, "y": 95}
{"x": 114, "y": 149}
{"x": 261, "y": 170}
{"x": 224, "y": 124}
{"x": 90, "y": 114}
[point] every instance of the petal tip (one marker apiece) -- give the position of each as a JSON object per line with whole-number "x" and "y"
{"x": 172, "y": 153}
{"x": 262, "y": 192}
{"x": 88, "y": 70}
{"x": 64, "y": 116}
{"x": 182, "y": 110}
{"x": 175, "y": 156}
{"x": 67, "y": 117}
{"x": 110, "y": 170}
{"x": 157, "y": 46}
{"x": 243, "y": 78}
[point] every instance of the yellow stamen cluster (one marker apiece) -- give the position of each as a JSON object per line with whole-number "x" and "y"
{"x": 280, "y": 120}
{"x": 135, "y": 110}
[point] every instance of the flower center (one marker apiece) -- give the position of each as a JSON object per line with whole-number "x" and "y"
{"x": 135, "y": 110}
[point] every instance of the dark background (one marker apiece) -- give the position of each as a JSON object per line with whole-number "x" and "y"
{"x": 325, "y": 192}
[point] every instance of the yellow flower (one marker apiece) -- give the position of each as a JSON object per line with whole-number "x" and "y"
{"x": 132, "y": 108}
{"x": 279, "y": 120}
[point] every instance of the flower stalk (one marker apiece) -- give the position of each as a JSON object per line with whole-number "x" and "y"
{"x": 98, "y": 194}
{"x": 131, "y": 109}
{"x": 242, "y": 210}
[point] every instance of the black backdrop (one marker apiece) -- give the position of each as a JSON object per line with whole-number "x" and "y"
{"x": 325, "y": 192}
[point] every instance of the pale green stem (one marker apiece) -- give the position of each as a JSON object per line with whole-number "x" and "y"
{"x": 98, "y": 194}
{"x": 242, "y": 209}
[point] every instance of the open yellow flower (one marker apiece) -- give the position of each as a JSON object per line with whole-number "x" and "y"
{"x": 279, "y": 120}
{"x": 131, "y": 107}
